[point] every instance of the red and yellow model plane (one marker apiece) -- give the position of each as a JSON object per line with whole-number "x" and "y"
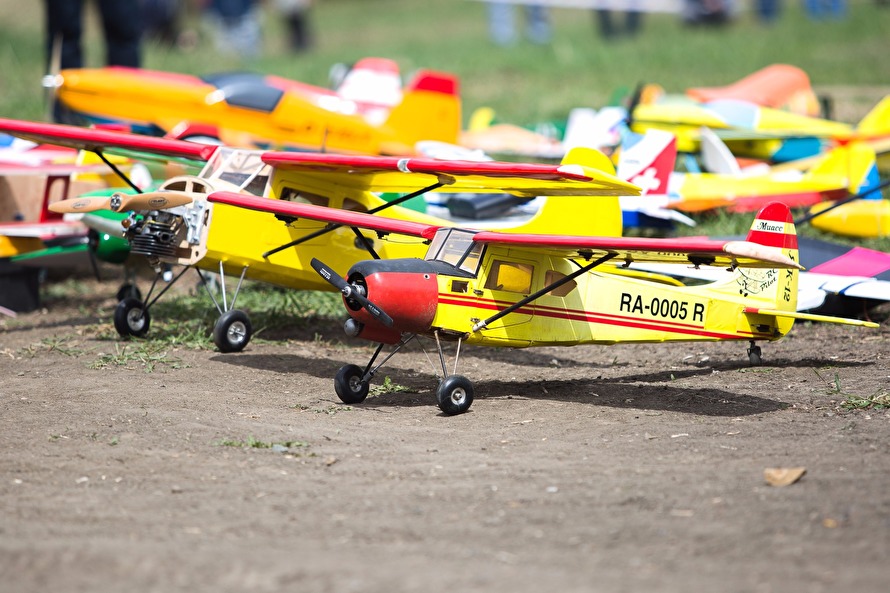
{"x": 521, "y": 290}
{"x": 176, "y": 225}
{"x": 250, "y": 110}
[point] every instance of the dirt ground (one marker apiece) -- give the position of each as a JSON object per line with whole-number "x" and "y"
{"x": 625, "y": 468}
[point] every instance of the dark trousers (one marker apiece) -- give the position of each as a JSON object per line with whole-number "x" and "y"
{"x": 121, "y": 25}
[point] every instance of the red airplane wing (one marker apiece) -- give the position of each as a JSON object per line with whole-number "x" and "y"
{"x": 98, "y": 140}
{"x": 693, "y": 251}
{"x": 396, "y": 174}
{"x": 323, "y": 214}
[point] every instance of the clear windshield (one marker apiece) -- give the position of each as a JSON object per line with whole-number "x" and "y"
{"x": 457, "y": 248}
{"x": 244, "y": 169}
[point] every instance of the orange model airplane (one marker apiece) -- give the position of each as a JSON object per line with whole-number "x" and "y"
{"x": 520, "y": 290}
{"x": 269, "y": 112}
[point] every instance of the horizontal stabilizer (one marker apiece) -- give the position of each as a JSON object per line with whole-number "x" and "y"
{"x": 810, "y": 317}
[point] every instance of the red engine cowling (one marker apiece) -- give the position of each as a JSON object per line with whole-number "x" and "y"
{"x": 409, "y": 298}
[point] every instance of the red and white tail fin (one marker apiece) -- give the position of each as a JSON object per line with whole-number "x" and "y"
{"x": 774, "y": 295}
{"x": 372, "y": 81}
{"x": 648, "y": 164}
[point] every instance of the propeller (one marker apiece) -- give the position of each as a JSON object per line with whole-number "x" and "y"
{"x": 351, "y": 292}
{"x": 118, "y": 202}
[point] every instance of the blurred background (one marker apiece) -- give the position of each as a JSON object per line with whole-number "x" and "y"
{"x": 526, "y": 80}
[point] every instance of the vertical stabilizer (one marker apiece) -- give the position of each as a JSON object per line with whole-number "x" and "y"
{"x": 774, "y": 227}
{"x": 598, "y": 216}
{"x": 429, "y": 110}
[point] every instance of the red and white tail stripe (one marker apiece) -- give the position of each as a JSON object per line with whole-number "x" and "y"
{"x": 774, "y": 227}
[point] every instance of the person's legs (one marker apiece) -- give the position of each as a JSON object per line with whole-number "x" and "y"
{"x": 500, "y": 23}
{"x": 64, "y": 25}
{"x": 538, "y": 23}
{"x": 122, "y": 24}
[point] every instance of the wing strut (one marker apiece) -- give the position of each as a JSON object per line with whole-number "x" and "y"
{"x": 332, "y": 226}
{"x": 117, "y": 171}
{"x": 366, "y": 243}
{"x": 523, "y": 302}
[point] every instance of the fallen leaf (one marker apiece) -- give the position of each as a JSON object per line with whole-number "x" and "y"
{"x": 783, "y": 476}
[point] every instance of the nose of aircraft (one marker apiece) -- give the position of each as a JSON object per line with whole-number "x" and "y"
{"x": 406, "y": 289}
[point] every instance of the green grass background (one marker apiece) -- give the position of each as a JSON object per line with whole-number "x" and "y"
{"x": 524, "y": 83}
{"x": 846, "y": 59}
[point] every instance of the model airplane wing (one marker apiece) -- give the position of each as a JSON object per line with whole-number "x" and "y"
{"x": 290, "y": 210}
{"x": 393, "y": 174}
{"x": 105, "y": 140}
{"x": 683, "y": 251}
{"x": 631, "y": 249}
{"x": 41, "y": 230}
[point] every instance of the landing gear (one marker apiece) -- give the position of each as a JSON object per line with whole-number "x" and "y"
{"x": 129, "y": 291}
{"x": 232, "y": 331}
{"x": 454, "y": 395}
{"x": 754, "y": 355}
{"x": 350, "y": 385}
{"x": 131, "y": 318}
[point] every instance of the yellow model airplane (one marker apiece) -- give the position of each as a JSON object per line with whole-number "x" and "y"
{"x": 520, "y": 290}
{"x": 176, "y": 225}
{"x": 758, "y": 132}
{"x": 256, "y": 111}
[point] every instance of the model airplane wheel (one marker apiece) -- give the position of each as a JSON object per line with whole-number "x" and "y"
{"x": 754, "y": 355}
{"x": 349, "y": 385}
{"x": 129, "y": 291}
{"x": 232, "y": 331}
{"x": 455, "y": 395}
{"x": 131, "y": 318}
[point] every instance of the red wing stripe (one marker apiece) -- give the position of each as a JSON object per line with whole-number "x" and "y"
{"x": 600, "y": 318}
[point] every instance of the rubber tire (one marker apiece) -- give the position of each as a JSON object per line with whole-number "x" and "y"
{"x": 131, "y": 318}
{"x": 129, "y": 291}
{"x": 754, "y": 356}
{"x": 454, "y": 395}
{"x": 232, "y": 331}
{"x": 350, "y": 387}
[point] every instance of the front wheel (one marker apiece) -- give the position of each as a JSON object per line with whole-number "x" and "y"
{"x": 232, "y": 331}
{"x": 131, "y": 318}
{"x": 129, "y": 291}
{"x": 455, "y": 395}
{"x": 351, "y": 388}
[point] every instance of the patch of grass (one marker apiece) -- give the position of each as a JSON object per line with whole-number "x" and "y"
{"x": 388, "y": 387}
{"x": 253, "y": 443}
{"x": 145, "y": 354}
{"x": 879, "y": 400}
{"x": 62, "y": 345}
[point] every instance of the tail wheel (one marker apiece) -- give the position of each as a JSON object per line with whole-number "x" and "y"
{"x": 754, "y": 355}
{"x": 232, "y": 331}
{"x": 131, "y": 318}
{"x": 455, "y": 395}
{"x": 350, "y": 386}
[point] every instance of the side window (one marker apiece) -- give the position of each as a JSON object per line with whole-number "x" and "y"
{"x": 560, "y": 291}
{"x": 510, "y": 276}
{"x": 353, "y": 206}
{"x": 292, "y": 195}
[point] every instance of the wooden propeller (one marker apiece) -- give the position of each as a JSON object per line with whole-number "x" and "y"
{"x": 153, "y": 200}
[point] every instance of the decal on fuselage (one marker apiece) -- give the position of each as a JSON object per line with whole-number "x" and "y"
{"x": 665, "y": 308}
{"x": 756, "y": 281}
